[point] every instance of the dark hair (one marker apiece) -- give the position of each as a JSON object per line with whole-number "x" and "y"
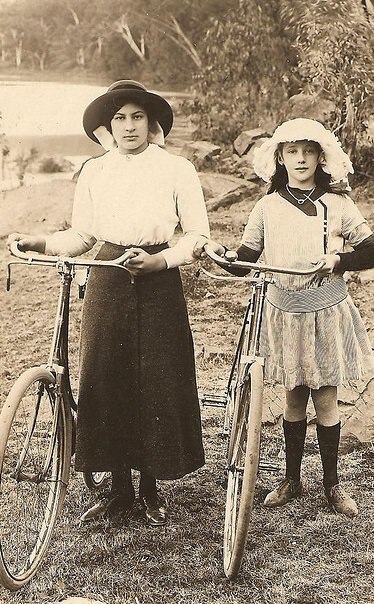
{"x": 117, "y": 103}
{"x": 280, "y": 177}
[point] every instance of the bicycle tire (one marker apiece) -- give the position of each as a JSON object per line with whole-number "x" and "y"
{"x": 242, "y": 468}
{"x": 35, "y": 454}
{"x": 95, "y": 480}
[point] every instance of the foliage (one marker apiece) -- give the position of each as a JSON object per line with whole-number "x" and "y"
{"x": 23, "y": 161}
{"x": 143, "y": 39}
{"x": 335, "y": 45}
{"x": 245, "y": 61}
{"x": 262, "y": 53}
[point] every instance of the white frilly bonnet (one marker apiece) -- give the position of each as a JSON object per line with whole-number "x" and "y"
{"x": 334, "y": 161}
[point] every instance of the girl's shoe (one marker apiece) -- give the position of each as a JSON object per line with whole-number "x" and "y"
{"x": 108, "y": 504}
{"x": 287, "y": 490}
{"x": 341, "y": 502}
{"x": 155, "y": 509}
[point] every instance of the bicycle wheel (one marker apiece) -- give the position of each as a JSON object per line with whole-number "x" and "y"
{"x": 35, "y": 449}
{"x": 95, "y": 480}
{"x": 242, "y": 468}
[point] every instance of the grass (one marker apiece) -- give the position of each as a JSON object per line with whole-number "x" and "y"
{"x": 301, "y": 554}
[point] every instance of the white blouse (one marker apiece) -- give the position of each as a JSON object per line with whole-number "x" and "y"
{"x": 136, "y": 200}
{"x": 289, "y": 237}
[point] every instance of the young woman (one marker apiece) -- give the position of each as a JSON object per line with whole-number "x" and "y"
{"x": 313, "y": 337}
{"x": 138, "y": 406}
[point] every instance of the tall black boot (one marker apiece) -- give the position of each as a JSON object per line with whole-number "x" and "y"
{"x": 328, "y": 440}
{"x": 290, "y": 487}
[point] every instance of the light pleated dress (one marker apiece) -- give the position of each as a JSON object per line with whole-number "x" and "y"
{"x": 326, "y": 347}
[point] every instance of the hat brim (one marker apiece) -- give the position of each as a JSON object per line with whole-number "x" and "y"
{"x": 334, "y": 161}
{"x": 100, "y": 111}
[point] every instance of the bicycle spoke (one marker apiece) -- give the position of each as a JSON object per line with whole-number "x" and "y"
{"x": 32, "y": 477}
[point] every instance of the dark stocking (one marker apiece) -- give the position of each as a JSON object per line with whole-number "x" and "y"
{"x": 328, "y": 440}
{"x": 121, "y": 483}
{"x": 294, "y": 435}
{"x": 147, "y": 486}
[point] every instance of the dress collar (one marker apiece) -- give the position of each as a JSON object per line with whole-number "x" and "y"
{"x": 308, "y": 206}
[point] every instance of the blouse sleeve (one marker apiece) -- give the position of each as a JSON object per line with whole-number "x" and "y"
{"x": 253, "y": 236}
{"x": 355, "y": 228}
{"x": 78, "y": 239}
{"x": 191, "y": 210}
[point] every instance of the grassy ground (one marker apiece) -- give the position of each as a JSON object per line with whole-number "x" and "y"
{"x": 302, "y": 554}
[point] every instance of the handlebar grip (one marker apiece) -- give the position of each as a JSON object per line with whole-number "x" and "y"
{"x": 231, "y": 256}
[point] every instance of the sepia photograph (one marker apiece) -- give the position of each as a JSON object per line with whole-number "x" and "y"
{"x": 186, "y": 302}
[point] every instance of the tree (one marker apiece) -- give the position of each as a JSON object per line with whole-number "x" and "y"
{"x": 334, "y": 40}
{"x": 243, "y": 82}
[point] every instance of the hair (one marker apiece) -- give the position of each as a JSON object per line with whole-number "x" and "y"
{"x": 119, "y": 102}
{"x": 280, "y": 177}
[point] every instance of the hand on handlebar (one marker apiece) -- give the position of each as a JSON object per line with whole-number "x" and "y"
{"x": 199, "y": 249}
{"x": 140, "y": 262}
{"x": 330, "y": 264}
{"x": 34, "y": 243}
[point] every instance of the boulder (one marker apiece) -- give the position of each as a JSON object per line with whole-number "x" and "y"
{"x": 366, "y": 276}
{"x": 240, "y": 193}
{"x": 310, "y": 106}
{"x": 215, "y": 183}
{"x": 200, "y": 153}
{"x": 245, "y": 163}
{"x": 246, "y": 139}
{"x": 356, "y": 409}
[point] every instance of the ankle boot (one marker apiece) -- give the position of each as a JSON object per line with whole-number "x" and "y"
{"x": 339, "y": 500}
{"x": 290, "y": 487}
{"x": 154, "y": 506}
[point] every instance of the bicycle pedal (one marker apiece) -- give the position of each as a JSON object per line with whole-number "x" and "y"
{"x": 268, "y": 466}
{"x": 213, "y": 400}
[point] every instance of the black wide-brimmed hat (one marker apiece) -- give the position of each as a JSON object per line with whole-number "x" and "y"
{"x": 102, "y": 109}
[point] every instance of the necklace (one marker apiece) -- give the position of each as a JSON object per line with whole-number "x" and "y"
{"x": 307, "y": 195}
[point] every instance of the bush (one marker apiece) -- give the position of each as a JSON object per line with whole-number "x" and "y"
{"x": 51, "y": 165}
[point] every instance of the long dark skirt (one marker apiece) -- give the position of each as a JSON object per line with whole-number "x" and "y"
{"x": 138, "y": 405}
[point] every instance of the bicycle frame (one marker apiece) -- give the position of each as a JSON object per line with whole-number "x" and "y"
{"x": 58, "y": 358}
{"x": 243, "y": 414}
{"x": 248, "y": 345}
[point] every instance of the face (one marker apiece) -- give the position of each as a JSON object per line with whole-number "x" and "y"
{"x": 130, "y": 129}
{"x": 300, "y": 159}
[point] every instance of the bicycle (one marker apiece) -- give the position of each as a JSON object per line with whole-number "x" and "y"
{"x": 243, "y": 402}
{"x": 37, "y": 434}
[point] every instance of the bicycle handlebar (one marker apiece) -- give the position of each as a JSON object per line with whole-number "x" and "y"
{"x": 43, "y": 259}
{"x": 65, "y": 262}
{"x": 225, "y": 263}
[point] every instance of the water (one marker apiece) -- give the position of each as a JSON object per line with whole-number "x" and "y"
{"x": 44, "y": 108}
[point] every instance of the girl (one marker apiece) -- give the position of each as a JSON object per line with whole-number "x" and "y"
{"x": 138, "y": 406}
{"x": 313, "y": 337}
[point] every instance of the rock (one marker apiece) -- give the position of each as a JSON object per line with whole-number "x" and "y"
{"x": 227, "y": 199}
{"x": 246, "y": 139}
{"x": 215, "y": 183}
{"x": 245, "y": 163}
{"x": 367, "y": 276}
{"x": 357, "y": 411}
{"x": 273, "y": 403}
{"x": 310, "y": 106}
{"x": 200, "y": 153}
